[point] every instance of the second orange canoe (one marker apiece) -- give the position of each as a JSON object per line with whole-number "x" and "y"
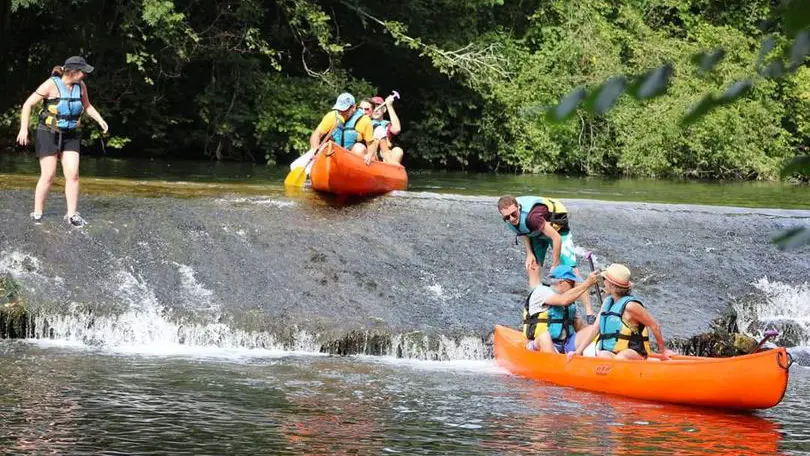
{"x": 755, "y": 381}
{"x": 338, "y": 171}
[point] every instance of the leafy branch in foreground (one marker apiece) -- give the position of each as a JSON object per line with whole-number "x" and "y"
{"x": 598, "y": 101}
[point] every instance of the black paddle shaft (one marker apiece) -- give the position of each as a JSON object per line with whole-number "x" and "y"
{"x": 598, "y": 290}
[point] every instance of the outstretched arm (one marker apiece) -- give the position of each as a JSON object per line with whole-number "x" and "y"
{"x": 556, "y": 243}
{"x": 571, "y": 295}
{"x": 638, "y": 313}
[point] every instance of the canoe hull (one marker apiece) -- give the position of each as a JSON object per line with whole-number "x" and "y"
{"x": 756, "y": 381}
{"x": 336, "y": 170}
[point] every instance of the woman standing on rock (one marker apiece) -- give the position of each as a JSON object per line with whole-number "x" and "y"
{"x": 58, "y": 134}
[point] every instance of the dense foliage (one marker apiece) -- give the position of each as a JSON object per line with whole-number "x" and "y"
{"x": 248, "y": 80}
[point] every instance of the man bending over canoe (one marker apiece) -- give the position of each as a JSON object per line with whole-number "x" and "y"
{"x": 349, "y": 127}
{"x": 550, "y": 319}
{"x": 542, "y": 222}
{"x": 623, "y": 324}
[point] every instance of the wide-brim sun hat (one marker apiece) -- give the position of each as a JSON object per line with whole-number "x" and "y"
{"x": 618, "y": 274}
{"x": 78, "y": 63}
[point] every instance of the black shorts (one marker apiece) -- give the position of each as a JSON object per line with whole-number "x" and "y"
{"x": 50, "y": 142}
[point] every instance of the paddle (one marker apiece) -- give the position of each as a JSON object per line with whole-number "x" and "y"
{"x": 589, "y": 256}
{"x": 769, "y": 334}
{"x": 396, "y": 97}
{"x": 298, "y": 176}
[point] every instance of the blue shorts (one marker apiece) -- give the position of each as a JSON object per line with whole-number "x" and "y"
{"x": 570, "y": 344}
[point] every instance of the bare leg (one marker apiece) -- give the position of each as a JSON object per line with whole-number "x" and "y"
{"x": 47, "y": 171}
{"x": 605, "y": 354}
{"x": 629, "y": 353}
{"x": 359, "y": 149}
{"x": 385, "y": 151}
{"x": 70, "y": 168}
{"x": 543, "y": 342}
{"x": 396, "y": 155}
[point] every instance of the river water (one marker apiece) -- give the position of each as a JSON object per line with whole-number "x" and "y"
{"x": 161, "y": 326}
{"x": 58, "y": 400}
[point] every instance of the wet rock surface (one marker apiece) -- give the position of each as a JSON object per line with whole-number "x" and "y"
{"x": 401, "y": 264}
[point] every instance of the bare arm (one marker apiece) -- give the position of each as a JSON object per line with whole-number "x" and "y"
{"x": 556, "y": 243}
{"x": 91, "y": 110}
{"x": 34, "y": 98}
{"x": 315, "y": 139}
{"x": 528, "y": 244}
{"x": 25, "y": 114}
{"x": 395, "y": 125}
{"x": 638, "y": 313}
{"x": 571, "y": 295}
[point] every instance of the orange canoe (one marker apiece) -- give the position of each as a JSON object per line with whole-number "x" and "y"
{"x": 756, "y": 381}
{"x": 338, "y": 171}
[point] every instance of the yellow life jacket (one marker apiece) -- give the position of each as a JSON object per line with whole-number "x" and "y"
{"x": 557, "y": 320}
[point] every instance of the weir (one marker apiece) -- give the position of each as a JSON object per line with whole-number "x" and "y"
{"x": 414, "y": 275}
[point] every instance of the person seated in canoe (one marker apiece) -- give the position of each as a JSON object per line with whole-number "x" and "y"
{"x": 550, "y": 319}
{"x": 348, "y": 127}
{"x": 623, "y": 324}
{"x": 543, "y": 222}
{"x": 385, "y": 130}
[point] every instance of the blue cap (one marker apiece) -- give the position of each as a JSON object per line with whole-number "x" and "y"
{"x": 563, "y": 272}
{"x": 344, "y": 101}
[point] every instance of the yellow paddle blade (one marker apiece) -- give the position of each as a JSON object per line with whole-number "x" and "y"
{"x": 297, "y": 177}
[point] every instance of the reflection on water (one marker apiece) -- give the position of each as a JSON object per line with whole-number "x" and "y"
{"x": 63, "y": 401}
{"x": 161, "y": 177}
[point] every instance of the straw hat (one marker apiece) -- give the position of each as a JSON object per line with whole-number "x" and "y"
{"x": 618, "y": 275}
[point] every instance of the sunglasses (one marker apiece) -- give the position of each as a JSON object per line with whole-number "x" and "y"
{"x": 510, "y": 216}
{"x": 366, "y": 108}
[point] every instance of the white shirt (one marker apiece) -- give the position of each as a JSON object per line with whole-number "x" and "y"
{"x": 537, "y": 300}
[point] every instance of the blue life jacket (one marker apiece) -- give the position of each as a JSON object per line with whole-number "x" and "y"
{"x": 614, "y": 334}
{"x": 63, "y": 113}
{"x": 380, "y": 123}
{"x": 345, "y": 134}
{"x": 557, "y": 320}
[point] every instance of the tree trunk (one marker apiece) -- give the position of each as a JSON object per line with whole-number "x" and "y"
{"x": 5, "y": 48}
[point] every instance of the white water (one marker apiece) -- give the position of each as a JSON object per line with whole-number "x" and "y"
{"x": 149, "y": 327}
{"x": 783, "y": 303}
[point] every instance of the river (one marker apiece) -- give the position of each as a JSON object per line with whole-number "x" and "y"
{"x": 189, "y": 317}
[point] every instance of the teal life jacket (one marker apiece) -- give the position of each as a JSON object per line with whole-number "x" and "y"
{"x": 380, "y": 123}
{"x": 558, "y": 215}
{"x": 345, "y": 134}
{"x": 63, "y": 113}
{"x": 557, "y": 320}
{"x": 614, "y": 334}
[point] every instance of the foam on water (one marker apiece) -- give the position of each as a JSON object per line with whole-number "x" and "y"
{"x": 783, "y": 303}
{"x": 20, "y": 264}
{"x": 479, "y": 366}
{"x": 258, "y": 201}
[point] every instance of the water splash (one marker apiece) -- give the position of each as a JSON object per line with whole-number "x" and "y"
{"x": 785, "y": 306}
{"x": 22, "y": 265}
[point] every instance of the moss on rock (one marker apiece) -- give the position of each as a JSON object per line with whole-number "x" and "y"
{"x": 13, "y": 313}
